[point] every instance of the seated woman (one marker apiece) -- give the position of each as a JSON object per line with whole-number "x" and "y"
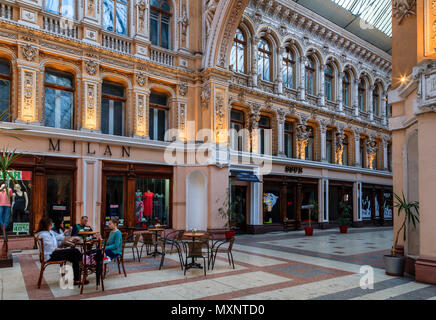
{"x": 114, "y": 245}
{"x": 65, "y": 238}
{"x": 52, "y": 252}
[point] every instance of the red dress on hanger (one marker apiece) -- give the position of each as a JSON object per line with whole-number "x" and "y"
{"x": 148, "y": 204}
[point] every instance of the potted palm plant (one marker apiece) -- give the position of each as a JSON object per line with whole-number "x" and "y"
{"x": 394, "y": 263}
{"x": 344, "y": 220}
{"x": 308, "y": 230}
{"x": 228, "y": 212}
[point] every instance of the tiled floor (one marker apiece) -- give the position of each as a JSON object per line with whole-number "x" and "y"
{"x": 279, "y": 266}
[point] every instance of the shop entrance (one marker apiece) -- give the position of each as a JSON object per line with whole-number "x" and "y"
{"x": 339, "y": 192}
{"x": 59, "y": 197}
{"x": 239, "y": 202}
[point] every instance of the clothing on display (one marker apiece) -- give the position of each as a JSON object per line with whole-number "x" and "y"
{"x": 19, "y": 207}
{"x": 148, "y": 203}
{"x": 139, "y": 211}
{"x": 5, "y": 206}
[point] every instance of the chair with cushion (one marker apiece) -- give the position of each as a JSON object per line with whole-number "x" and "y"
{"x": 220, "y": 248}
{"x": 44, "y": 264}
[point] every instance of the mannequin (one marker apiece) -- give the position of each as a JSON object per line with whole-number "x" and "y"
{"x": 5, "y": 208}
{"x": 148, "y": 203}
{"x": 20, "y": 204}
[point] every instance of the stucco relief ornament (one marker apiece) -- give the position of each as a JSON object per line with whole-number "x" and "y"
{"x": 211, "y": 6}
{"x": 141, "y": 14}
{"x": 141, "y": 78}
{"x": 403, "y": 8}
{"x": 183, "y": 88}
{"x": 184, "y": 21}
{"x": 29, "y": 52}
{"x": 205, "y": 96}
{"x": 91, "y": 67}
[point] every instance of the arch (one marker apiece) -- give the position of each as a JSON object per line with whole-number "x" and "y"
{"x": 314, "y": 51}
{"x": 290, "y": 41}
{"x": 114, "y": 77}
{"x": 367, "y": 76}
{"x": 268, "y": 31}
{"x": 248, "y": 24}
{"x": 62, "y": 66}
{"x": 162, "y": 89}
{"x": 196, "y": 201}
{"x": 352, "y": 70}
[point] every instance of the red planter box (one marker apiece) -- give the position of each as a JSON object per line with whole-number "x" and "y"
{"x": 343, "y": 229}
{"x": 308, "y": 231}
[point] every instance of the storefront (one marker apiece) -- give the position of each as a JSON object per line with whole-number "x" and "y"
{"x": 339, "y": 192}
{"x": 139, "y": 195}
{"x": 377, "y": 202}
{"x": 43, "y": 186}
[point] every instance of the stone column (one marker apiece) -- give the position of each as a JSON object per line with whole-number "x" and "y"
{"x": 357, "y": 148}
{"x": 322, "y": 93}
{"x": 340, "y": 93}
{"x": 384, "y": 109}
{"x": 370, "y": 103}
{"x": 254, "y": 70}
{"x": 323, "y": 141}
{"x": 255, "y": 135}
{"x": 385, "y": 153}
{"x": 279, "y": 82}
{"x": 355, "y": 97}
{"x": 302, "y": 88}
{"x": 281, "y": 116}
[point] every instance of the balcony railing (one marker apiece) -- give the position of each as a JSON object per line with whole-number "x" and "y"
{"x": 6, "y": 11}
{"x": 115, "y": 43}
{"x": 162, "y": 56}
{"x": 63, "y": 27}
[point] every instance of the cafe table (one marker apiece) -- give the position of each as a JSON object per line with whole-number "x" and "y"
{"x": 156, "y": 233}
{"x": 193, "y": 235}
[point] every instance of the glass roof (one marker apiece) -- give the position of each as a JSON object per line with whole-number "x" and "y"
{"x": 377, "y": 13}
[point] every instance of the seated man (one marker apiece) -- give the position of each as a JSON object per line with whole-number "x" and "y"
{"x": 82, "y": 226}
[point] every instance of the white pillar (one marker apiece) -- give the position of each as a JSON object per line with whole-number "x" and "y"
{"x": 357, "y": 148}
{"x": 322, "y": 93}
{"x": 302, "y": 88}
{"x": 385, "y": 154}
{"x": 323, "y": 141}
{"x": 254, "y": 70}
{"x": 281, "y": 133}
{"x": 384, "y": 109}
{"x": 340, "y": 97}
{"x": 357, "y": 201}
{"x": 279, "y": 82}
{"x": 356, "y": 97}
{"x": 370, "y": 103}
{"x": 256, "y": 198}
{"x": 324, "y": 203}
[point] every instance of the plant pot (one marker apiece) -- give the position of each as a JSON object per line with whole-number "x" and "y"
{"x": 343, "y": 229}
{"x": 230, "y": 235}
{"x": 308, "y": 231}
{"x": 394, "y": 265}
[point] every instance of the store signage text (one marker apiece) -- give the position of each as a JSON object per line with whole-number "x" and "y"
{"x": 291, "y": 169}
{"x": 56, "y": 146}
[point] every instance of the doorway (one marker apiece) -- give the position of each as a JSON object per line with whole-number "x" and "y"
{"x": 239, "y": 203}
{"x": 60, "y": 198}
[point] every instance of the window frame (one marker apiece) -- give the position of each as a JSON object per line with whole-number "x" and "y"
{"x": 262, "y": 144}
{"x": 290, "y": 134}
{"x": 239, "y": 147}
{"x": 376, "y": 101}
{"x": 312, "y": 136}
{"x": 236, "y": 43}
{"x": 60, "y": 9}
{"x": 7, "y": 78}
{"x": 159, "y": 25}
{"x": 346, "y": 149}
{"x": 115, "y": 98}
{"x": 156, "y": 106}
{"x": 289, "y": 63}
{"x": 309, "y": 70}
{"x": 115, "y": 18}
{"x": 331, "y": 79}
{"x": 346, "y": 85}
{"x": 61, "y": 88}
{"x": 269, "y": 59}
{"x": 327, "y": 140}
{"x": 362, "y": 92}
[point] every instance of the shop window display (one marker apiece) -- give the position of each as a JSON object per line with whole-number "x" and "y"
{"x": 18, "y": 220}
{"x": 309, "y": 194}
{"x": 59, "y": 194}
{"x": 152, "y": 202}
{"x": 271, "y": 204}
{"x": 115, "y": 198}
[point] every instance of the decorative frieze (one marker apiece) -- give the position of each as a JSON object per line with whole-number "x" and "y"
{"x": 90, "y": 112}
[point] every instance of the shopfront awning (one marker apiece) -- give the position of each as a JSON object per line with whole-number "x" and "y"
{"x": 246, "y": 176}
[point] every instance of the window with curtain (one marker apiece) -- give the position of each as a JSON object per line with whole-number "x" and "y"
{"x": 237, "y": 57}
{"x": 65, "y": 8}
{"x": 310, "y": 144}
{"x": 5, "y": 91}
{"x": 158, "y": 116}
{"x": 362, "y": 95}
{"x": 289, "y": 139}
{"x": 309, "y": 76}
{"x": 237, "y": 124}
{"x": 346, "y": 91}
{"x": 264, "y": 60}
{"x": 115, "y": 14}
{"x": 375, "y": 101}
{"x": 345, "y": 151}
{"x": 328, "y": 82}
{"x": 289, "y": 69}
{"x": 59, "y": 99}
{"x": 113, "y": 109}
{"x": 160, "y": 23}
{"x": 329, "y": 146}
{"x": 265, "y": 137}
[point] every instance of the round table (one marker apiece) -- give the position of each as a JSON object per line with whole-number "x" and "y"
{"x": 193, "y": 235}
{"x": 156, "y": 231}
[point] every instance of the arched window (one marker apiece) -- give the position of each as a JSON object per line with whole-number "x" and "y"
{"x": 265, "y": 137}
{"x": 115, "y": 14}
{"x": 158, "y": 117}
{"x": 59, "y": 99}
{"x": 237, "y": 58}
{"x": 289, "y": 69}
{"x": 113, "y": 108}
{"x": 65, "y": 8}
{"x": 376, "y": 101}
{"x": 5, "y": 92}
{"x": 264, "y": 60}
{"x": 310, "y": 144}
{"x": 289, "y": 139}
{"x": 329, "y": 146}
{"x": 346, "y": 91}
{"x": 345, "y": 151}
{"x": 160, "y": 23}
{"x": 362, "y": 95}
{"x": 309, "y": 78}
{"x": 328, "y": 82}
{"x": 362, "y": 152}
{"x": 237, "y": 124}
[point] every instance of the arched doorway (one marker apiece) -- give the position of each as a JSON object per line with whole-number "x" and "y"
{"x": 196, "y": 201}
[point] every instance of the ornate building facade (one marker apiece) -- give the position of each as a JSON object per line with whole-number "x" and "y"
{"x": 104, "y": 88}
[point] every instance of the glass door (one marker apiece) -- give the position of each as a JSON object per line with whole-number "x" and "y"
{"x": 59, "y": 198}
{"x": 115, "y": 198}
{"x": 239, "y": 205}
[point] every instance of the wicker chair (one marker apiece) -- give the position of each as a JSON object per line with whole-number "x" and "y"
{"x": 92, "y": 262}
{"x": 219, "y": 249}
{"x": 134, "y": 245}
{"x": 149, "y": 241}
{"x": 44, "y": 264}
{"x": 195, "y": 250}
{"x": 170, "y": 247}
